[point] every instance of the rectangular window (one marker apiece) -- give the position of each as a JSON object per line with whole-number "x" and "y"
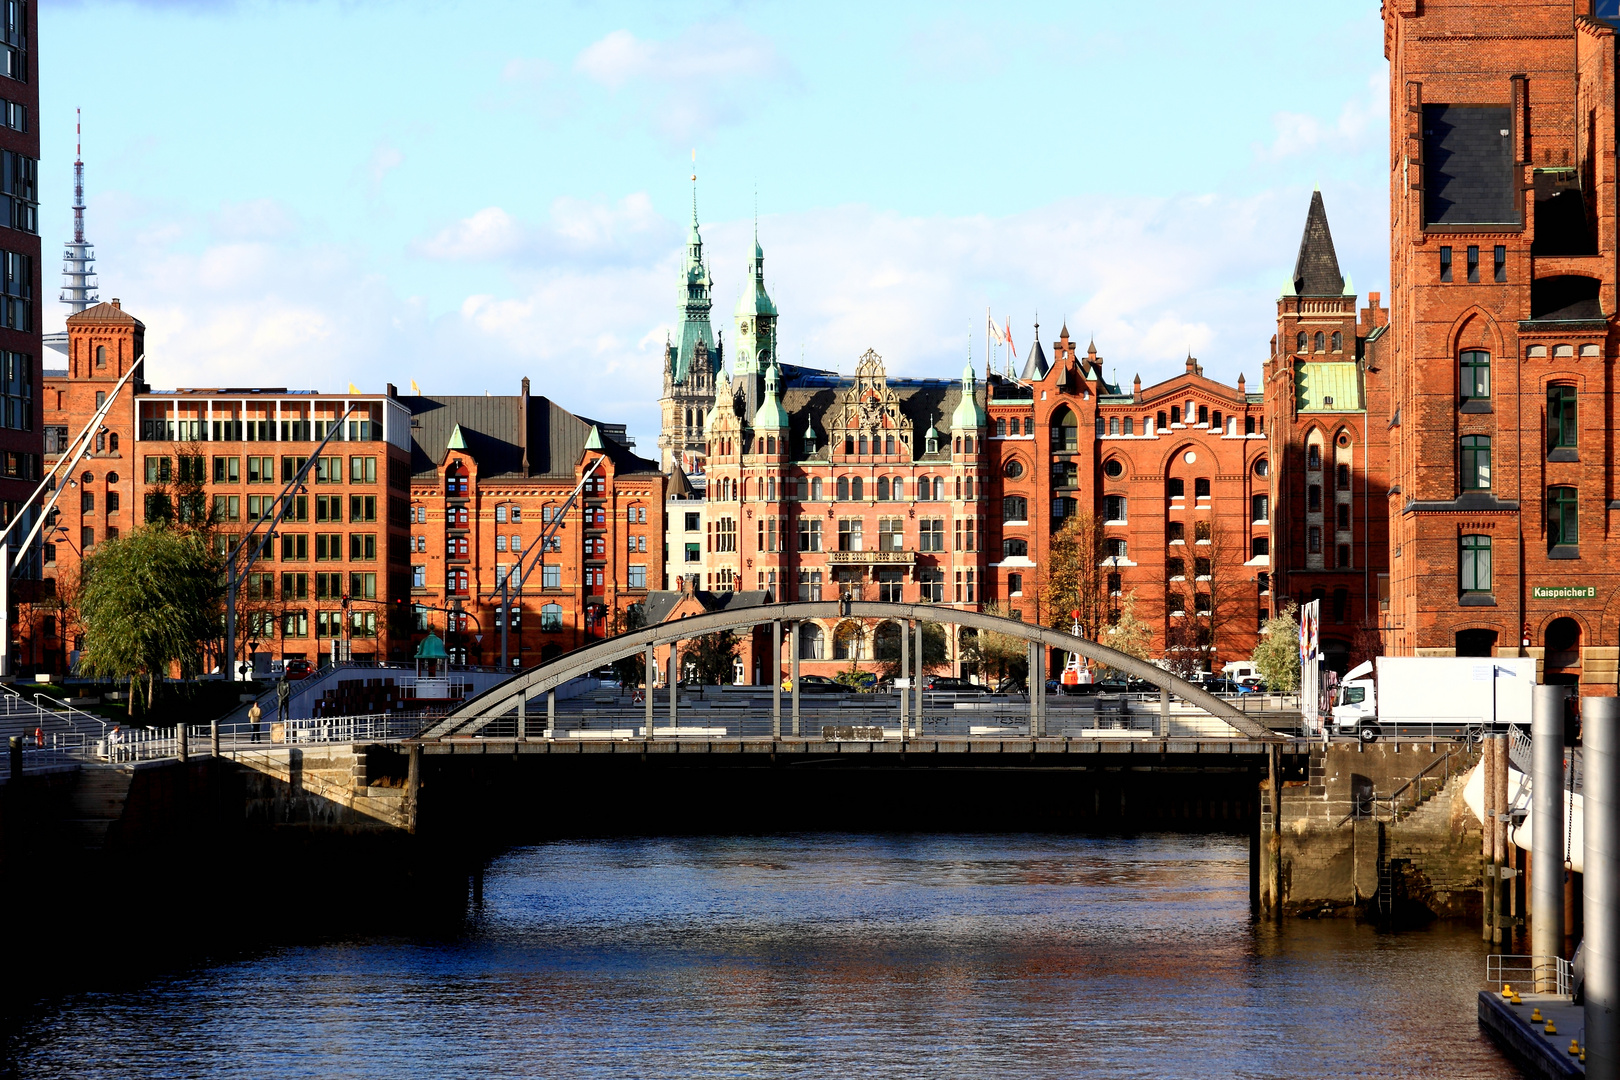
{"x": 1475, "y": 564}
{"x": 1114, "y": 547}
{"x": 328, "y": 586}
{"x": 328, "y": 547}
{"x": 1445, "y": 263}
{"x": 1344, "y": 515}
{"x": 1175, "y": 569}
{"x": 891, "y": 534}
{"x": 328, "y": 624}
{"x": 931, "y": 534}
{"x": 1501, "y": 263}
{"x": 551, "y": 576}
{"x": 1176, "y": 487}
{"x": 849, "y": 534}
{"x": 1176, "y": 532}
{"x": 1313, "y": 540}
{"x": 362, "y": 470}
{"x": 1561, "y": 432}
{"x": 227, "y": 470}
{"x": 294, "y": 546}
{"x": 295, "y": 586}
{"x": 329, "y": 470}
{"x": 1473, "y": 263}
{"x": 362, "y": 624}
{"x": 227, "y": 507}
{"x": 809, "y": 584}
{"x": 638, "y": 577}
{"x": 1476, "y": 463}
{"x": 1260, "y": 547}
{"x": 694, "y": 552}
{"x": 1262, "y": 508}
{"x": 1475, "y": 379}
{"x": 295, "y": 624}
{"x": 261, "y": 470}
{"x": 1114, "y": 507}
{"x": 1563, "y": 518}
{"x": 1201, "y": 488}
{"x": 290, "y": 467}
{"x": 418, "y": 577}
{"x": 329, "y": 508}
{"x": 363, "y": 586}
{"x": 159, "y": 470}
{"x": 931, "y": 586}
{"x": 261, "y": 586}
{"x": 889, "y": 586}
{"x": 362, "y": 507}
{"x": 362, "y": 547}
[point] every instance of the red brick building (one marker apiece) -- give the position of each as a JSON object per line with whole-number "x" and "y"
{"x": 1327, "y": 409}
{"x": 1503, "y": 250}
{"x": 489, "y": 476}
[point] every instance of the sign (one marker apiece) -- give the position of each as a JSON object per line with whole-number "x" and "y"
{"x": 868, "y": 557}
{"x": 1310, "y": 679}
{"x": 1563, "y": 592}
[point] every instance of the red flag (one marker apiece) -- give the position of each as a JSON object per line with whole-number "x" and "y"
{"x": 1010, "y": 346}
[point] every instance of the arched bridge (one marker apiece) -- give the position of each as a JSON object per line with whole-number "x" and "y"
{"x": 473, "y": 715}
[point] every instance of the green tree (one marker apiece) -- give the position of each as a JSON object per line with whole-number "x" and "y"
{"x": 1130, "y": 634}
{"x": 1276, "y": 656}
{"x": 712, "y": 657}
{"x": 149, "y": 601}
{"x": 994, "y": 653}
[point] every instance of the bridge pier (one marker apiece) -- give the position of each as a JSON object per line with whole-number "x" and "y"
{"x": 917, "y": 687}
{"x": 776, "y": 678}
{"x": 551, "y": 714}
{"x": 649, "y": 668}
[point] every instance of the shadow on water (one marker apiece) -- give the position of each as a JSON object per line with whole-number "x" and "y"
{"x": 803, "y": 955}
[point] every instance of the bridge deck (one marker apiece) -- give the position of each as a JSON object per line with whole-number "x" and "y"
{"x": 978, "y": 746}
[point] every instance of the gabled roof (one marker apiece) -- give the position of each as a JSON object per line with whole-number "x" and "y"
{"x": 661, "y": 603}
{"x": 105, "y": 314}
{"x": 495, "y": 431}
{"x": 1316, "y": 270}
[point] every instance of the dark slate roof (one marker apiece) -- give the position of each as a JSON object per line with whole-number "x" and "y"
{"x": 679, "y": 487}
{"x": 1036, "y": 367}
{"x": 809, "y": 398}
{"x": 496, "y": 432}
{"x": 1468, "y": 171}
{"x": 1316, "y": 271}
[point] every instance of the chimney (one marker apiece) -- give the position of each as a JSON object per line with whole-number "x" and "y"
{"x": 393, "y": 391}
{"x": 116, "y": 304}
{"x": 523, "y": 425}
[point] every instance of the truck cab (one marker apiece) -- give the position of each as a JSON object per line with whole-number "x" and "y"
{"x": 1355, "y": 703}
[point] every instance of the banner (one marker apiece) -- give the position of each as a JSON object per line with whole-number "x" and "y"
{"x": 1310, "y": 658}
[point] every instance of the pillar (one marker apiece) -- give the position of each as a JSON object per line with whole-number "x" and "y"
{"x": 1600, "y": 885}
{"x": 674, "y": 687}
{"x": 793, "y": 663}
{"x": 776, "y": 678}
{"x": 1273, "y": 883}
{"x": 1547, "y": 827}
{"x": 1488, "y": 891}
{"x": 413, "y": 786}
{"x": 905, "y": 673}
{"x": 522, "y": 716}
{"x": 551, "y": 714}
{"x": 649, "y": 665}
{"x": 918, "y": 688}
{"x": 1034, "y": 688}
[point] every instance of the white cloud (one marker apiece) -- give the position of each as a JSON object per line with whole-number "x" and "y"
{"x": 689, "y": 85}
{"x": 384, "y": 160}
{"x": 1362, "y": 118}
{"x": 590, "y": 232}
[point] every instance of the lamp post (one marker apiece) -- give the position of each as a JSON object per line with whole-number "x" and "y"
{"x": 1113, "y": 593}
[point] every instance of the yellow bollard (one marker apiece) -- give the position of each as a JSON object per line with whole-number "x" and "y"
{"x": 1574, "y": 1048}
{"x": 1535, "y": 1015}
{"x": 1550, "y": 1029}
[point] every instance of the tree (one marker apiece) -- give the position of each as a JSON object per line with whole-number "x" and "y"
{"x": 992, "y": 652}
{"x": 1276, "y": 656}
{"x": 626, "y": 620}
{"x": 1130, "y": 634}
{"x": 712, "y": 657}
{"x": 1076, "y": 577}
{"x": 888, "y": 650}
{"x": 149, "y": 601}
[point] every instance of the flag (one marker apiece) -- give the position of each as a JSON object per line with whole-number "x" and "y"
{"x": 417, "y": 390}
{"x": 353, "y": 389}
{"x": 1009, "y": 339}
{"x": 995, "y": 331}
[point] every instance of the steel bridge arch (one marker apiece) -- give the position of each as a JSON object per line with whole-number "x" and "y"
{"x": 472, "y": 715}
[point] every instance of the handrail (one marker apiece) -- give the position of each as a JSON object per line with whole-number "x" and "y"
{"x": 73, "y": 709}
{"x": 1372, "y": 801}
{"x": 1537, "y": 971}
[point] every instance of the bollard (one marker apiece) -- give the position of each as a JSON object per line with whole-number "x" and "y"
{"x": 181, "y": 750}
{"x": 213, "y": 737}
{"x": 1547, "y": 828}
{"x": 16, "y": 756}
{"x": 1600, "y": 884}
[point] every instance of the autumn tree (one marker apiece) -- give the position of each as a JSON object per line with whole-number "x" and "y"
{"x": 629, "y": 669}
{"x": 992, "y": 652}
{"x": 1129, "y": 633}
{"x": 1276, "y": 656}
{"x": 1076, "y": 579}
{"x": 887, "y": 649}
{"x": 712, "y": 657}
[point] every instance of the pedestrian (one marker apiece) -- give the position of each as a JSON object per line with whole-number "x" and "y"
{"x": 283, "y": 699}
{"x": 254, "y": 715}
{"x": 112, "y": 743}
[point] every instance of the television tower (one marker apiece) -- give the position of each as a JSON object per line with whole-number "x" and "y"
{"x": 78, "y": 257}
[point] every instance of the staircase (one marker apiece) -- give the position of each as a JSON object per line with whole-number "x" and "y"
{"x": 1428, "y": 840}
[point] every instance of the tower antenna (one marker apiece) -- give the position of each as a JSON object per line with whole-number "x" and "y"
{"x": 78, "y": 257}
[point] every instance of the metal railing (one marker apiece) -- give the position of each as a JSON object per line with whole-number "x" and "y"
{"x": 1367, "y": 806}
{"x": 1549, "y": 974}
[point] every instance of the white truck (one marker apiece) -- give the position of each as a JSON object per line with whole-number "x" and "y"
{"x": 1420, "y": 694}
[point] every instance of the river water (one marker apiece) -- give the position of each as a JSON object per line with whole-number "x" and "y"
{"x": 815, "y": 956}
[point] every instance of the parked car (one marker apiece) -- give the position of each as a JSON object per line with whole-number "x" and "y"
{"x": 293, "y": 670}
{"x": 1221, "y": 686}
{"x": 820, "y": 684}
{"x": 949, "y": 684}
{"x": 1008, "y": 686}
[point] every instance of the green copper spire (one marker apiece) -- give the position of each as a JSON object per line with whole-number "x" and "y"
{"x": 969, "y": 415}
{"x": 695, "y": 339}
{"x": 770, "y": 414}
{"x": 756, "y": 318}
{"x": 595, "y": 440}
{"x": 458, "y": 441}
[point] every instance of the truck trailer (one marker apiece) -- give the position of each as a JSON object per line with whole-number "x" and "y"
{"x": 1433, "y": 694}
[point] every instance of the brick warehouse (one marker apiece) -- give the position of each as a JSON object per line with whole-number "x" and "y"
{"x": 1502, "y": 501}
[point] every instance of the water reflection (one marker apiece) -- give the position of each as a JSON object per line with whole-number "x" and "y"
{"x": 820, "y": 956}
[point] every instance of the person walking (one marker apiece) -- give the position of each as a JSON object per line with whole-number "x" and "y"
{"x": 255, "y": 714}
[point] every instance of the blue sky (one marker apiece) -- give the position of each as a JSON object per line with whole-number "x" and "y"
{"x": 309, "y": 194}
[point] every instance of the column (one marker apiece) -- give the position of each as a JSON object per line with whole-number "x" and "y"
{"x": 649, "y": 665}
{"x": 776, "y": 678}
{"x": 674, "y": 687}
{"x": 551, "y": 714}
{"x": 793, "y": 663}
{"x": 918, "y": 689}
{"x": 1034, "y": 650}
{"x": 1600, "y": 732}
{"x": 1547, "y": 828}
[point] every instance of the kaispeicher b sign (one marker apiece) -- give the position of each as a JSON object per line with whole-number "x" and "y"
{"x": 1563, "y": 592}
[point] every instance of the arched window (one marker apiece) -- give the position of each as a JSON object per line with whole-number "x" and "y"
{"x": 899, "y": 489}
{"x": 1001, "y": 425}
{"x": 770, "y": 444}
{"x": 1338, "y": 341}
{"x": 959, "y": 444}
{"x": 1015, "y": 549}
{"x": 815, "y": 489}
{"x": 886, "y": 639}
{"x": 1215, "y": 420}
{"x": 922, "y": 488}
{"x": 101, "y": 356}
{"x": 888, "y": 445}
{"x": 843, "y": 489}
{"x": 1299, "y": 341}
{"x": 1014, "y": 508}
{"x": 849, "y": 642}
{"x": 1065, "y": 430}
{"x": 551, "y": 618}
{"x": 1130, "y": 425}
{"x": 939, "y": 489}
{"x": 812, "y": 642}
{"x": 1318, "y": 343}
{"x": 1029, "y": 425}
{"x": 1113, "y": 425}
{"x": 1161, "y": 422}
{"x": 856, "y": 489}
{"x": 883, "y": 489}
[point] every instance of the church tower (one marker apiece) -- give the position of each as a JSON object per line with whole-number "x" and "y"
{"x": 756, "y": 331}
{"x": 692, "y": 359}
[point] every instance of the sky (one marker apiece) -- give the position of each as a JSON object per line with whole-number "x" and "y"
{"x": 309, "y": 193}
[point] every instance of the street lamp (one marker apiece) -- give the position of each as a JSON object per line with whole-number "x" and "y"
{"x": 1113, "y": 593}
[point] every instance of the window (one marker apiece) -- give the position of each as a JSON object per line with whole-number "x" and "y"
{"x": 1176, "y": 487}
{"x": 1176, "y": 532}
{"x": 638, "y": 577}
{"x": 1475, "y": 367}
{"x": 1177, "y": 603}
{"x": 809, "y": 589}
{"x": 891, "y": 534}
{"x": 362, "y": 508}
{"x": 1313, "y": 457}
{"x": 1476, "y": 463}
{"x": 1175, "y": 569}
{"x": 1344, "y": 515}
{"x": 226, "y": 507}
{"x": 159, "y": 470}
{"x": 849, "y": 534}
{"x": 328, "y": 547}
{"x": 1201, "y": 567}
{"x": 295, "y": 586}
{"x": 1015, "y": 549}
{"x": 931, "y": 534}
{"x": 843, "y": 489}
{"x": 1260, "y": 547}
{"x": 1014, "y": 508}
{"x": 1473, "y": 263}
{"x": 1501, "y": 263}
{"x": 812, "y": 642}
{"x": 1261, "y": 507}
{"x": 1313, "y": 498}
{"x": 931, "y": 586}
{"x": 500, "y": 542}
{"x": 1201, "y": 532}
{"x": 1563, "y": 525}
{"x": 1475, "y": 564}
{"x": 87, "y": 502}
{"x": 1344, "y": 562}
{"x": 1114, "y": 507}
{"x": 363, "y": 586}
{"x": 261, "y": 586}
{"x": 363, "y": 470}
{"x": 964, "y": 587}
{"x": 1318, "y": 342}
{"x": 294, "y": 546}
{"x": 1299, "y": 346}
{"x": 295, "y": 624}
{"x": 889, "y": 586}
{"x": 87, "y": 538}
{"x": 551, "y": 576}
{"x": 1201, "y": 488}
{"x": 1015, "y": 584}
{"x": 1065, "y": 431}
{"x": 1313, "y": 540}
{"x": 1341, "y": 473}
{"x": 1114, "y": 547}
{"x": 883, "y": 489}
{"x": 227, "y": 470}
{"x": 1445, "y": 263}
{"x": 1338, "y": 341}
{"x": 363, "y": 546}
{"x": 1561, "y": 417}
{"x": 329, "y": 508}
{"x": 550, "y": 618}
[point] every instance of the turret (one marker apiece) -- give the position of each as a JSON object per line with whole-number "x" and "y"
{"x": 755, "y": 318}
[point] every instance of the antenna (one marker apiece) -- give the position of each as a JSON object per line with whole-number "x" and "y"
{"x": 78, "y": 257}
